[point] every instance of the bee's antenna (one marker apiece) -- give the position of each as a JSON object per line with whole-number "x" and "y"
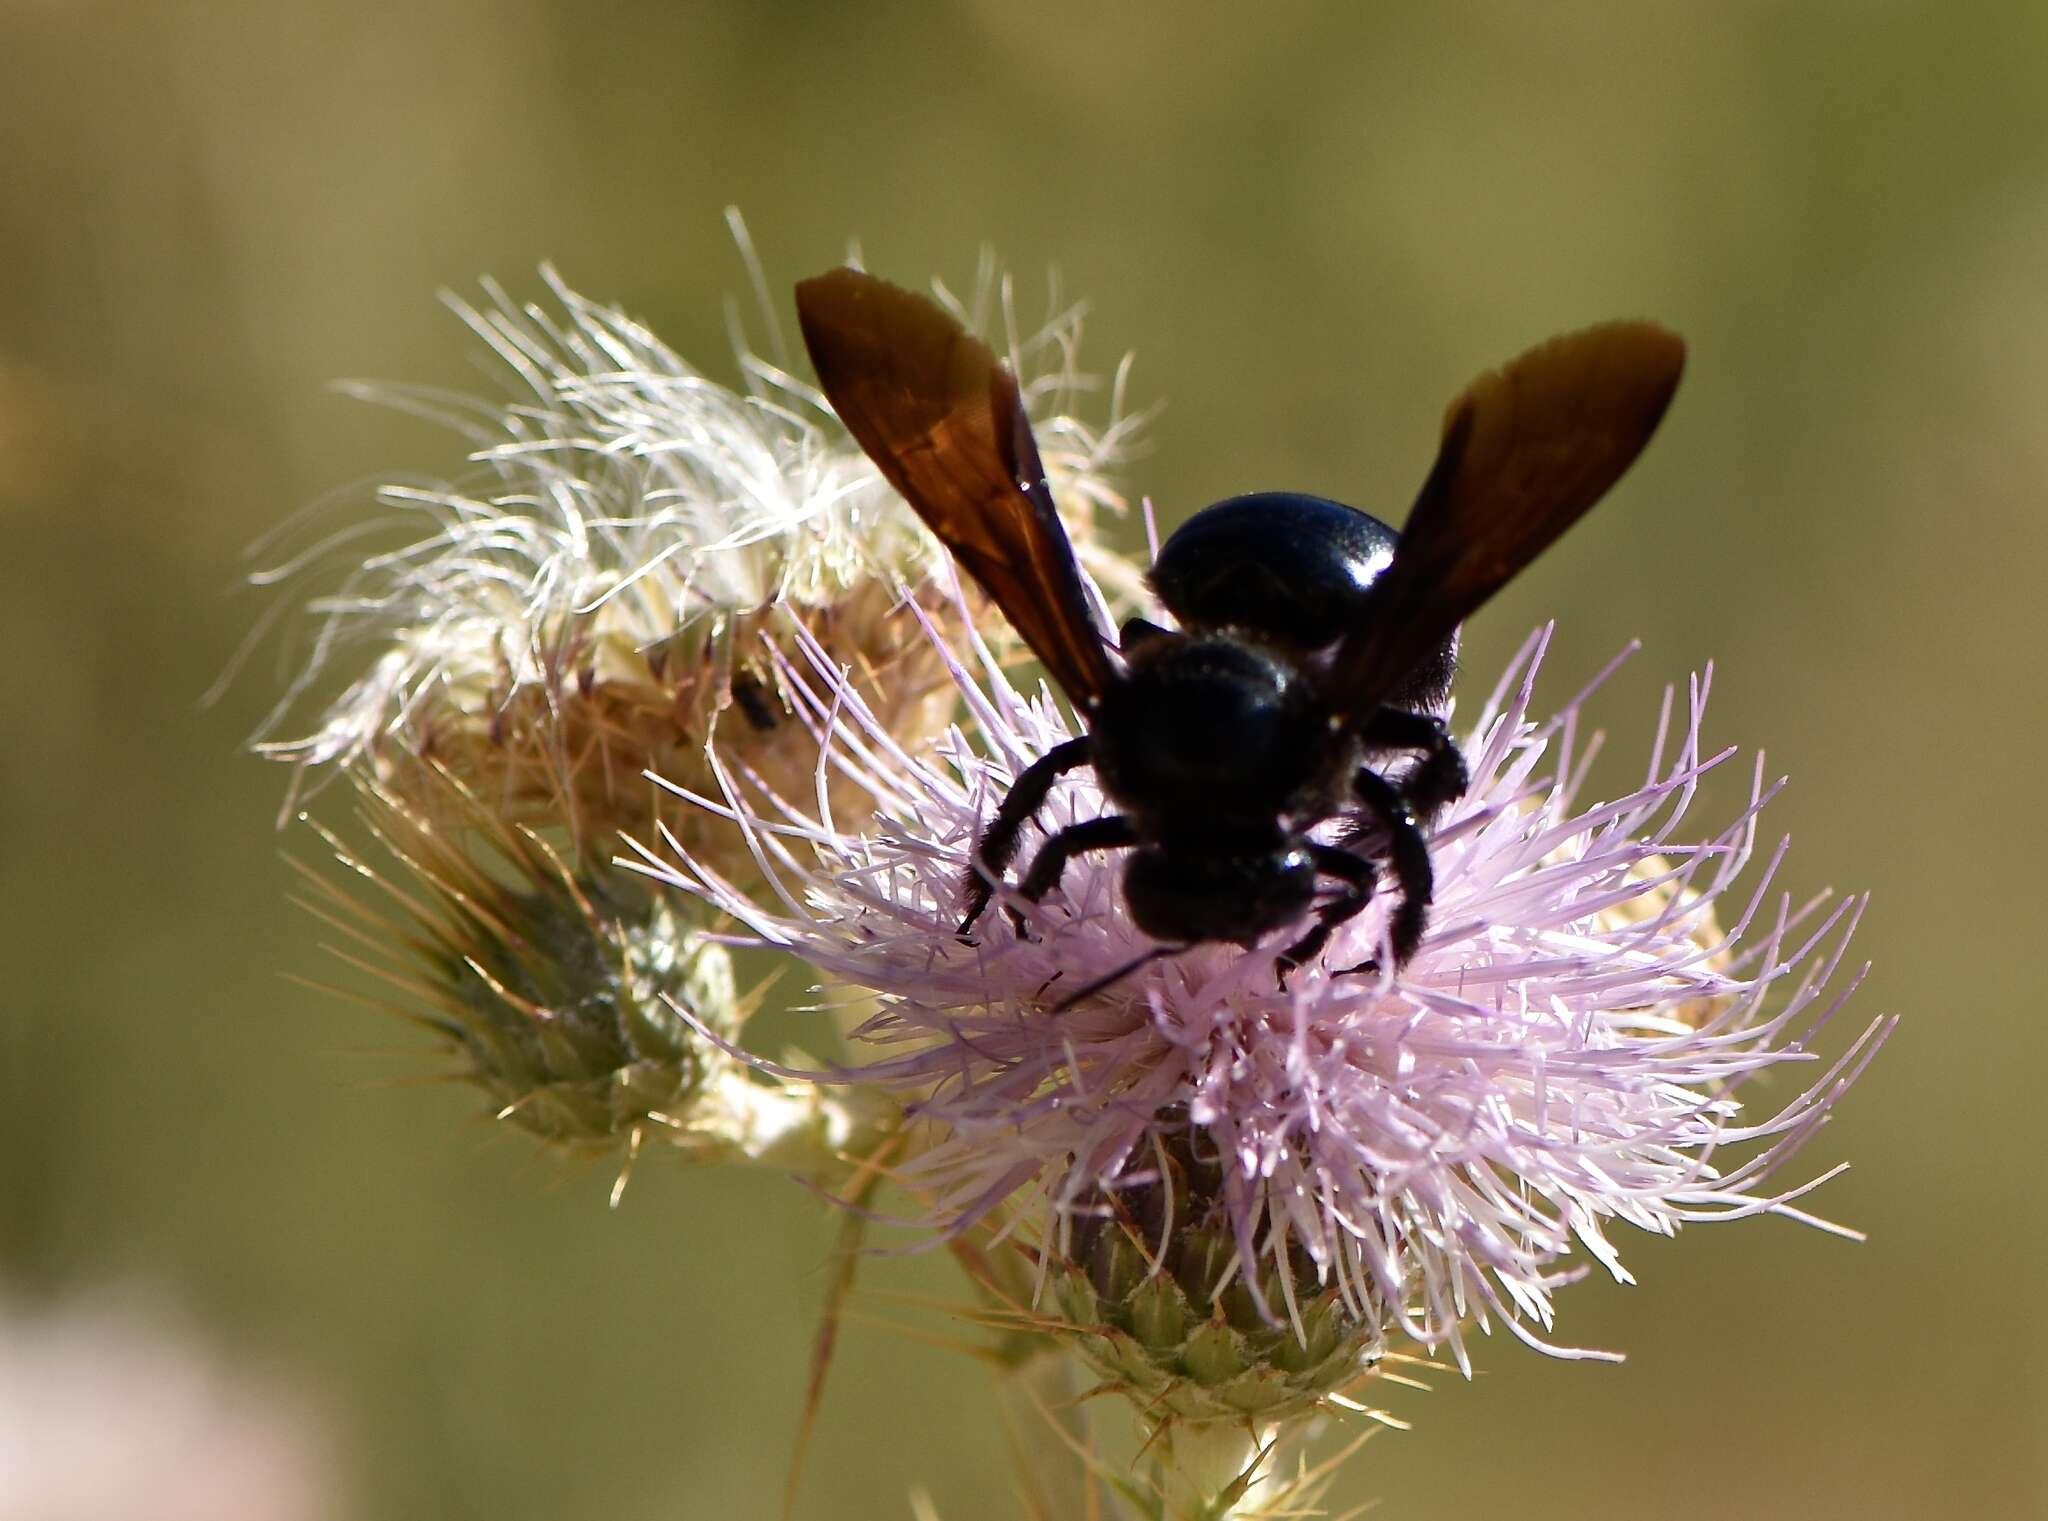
{"x": 1157, "y": 953}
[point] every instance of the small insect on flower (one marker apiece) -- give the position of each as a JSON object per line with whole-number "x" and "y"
{"x": 1316, "y": 645}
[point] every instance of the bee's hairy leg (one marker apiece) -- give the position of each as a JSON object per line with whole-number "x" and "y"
{"x": 1358, "y": 876}
{"x": 1407, "y": 853}
{"x": 1106, "y": 833}
{"x": 1440, "y": 777}
{"x": 999, "y": 840}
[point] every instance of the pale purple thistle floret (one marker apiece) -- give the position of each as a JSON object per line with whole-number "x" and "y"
{"x": 1436, "y": 1140}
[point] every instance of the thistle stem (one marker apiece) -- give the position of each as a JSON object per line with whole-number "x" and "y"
{"x": 1205, "y": 1470}
{"x": 820, "y": 1133}
{"x": 1050, "y": 1444}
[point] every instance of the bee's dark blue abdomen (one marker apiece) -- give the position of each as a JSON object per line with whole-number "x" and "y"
{"x": 1293, "y": 568}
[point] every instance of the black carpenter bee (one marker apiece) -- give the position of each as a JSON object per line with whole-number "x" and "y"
{"x": 1308, "y": 679}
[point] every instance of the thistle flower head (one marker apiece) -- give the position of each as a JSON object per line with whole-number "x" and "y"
{"x": 1569, "y": 1048}
{"x": 590, "y": 602}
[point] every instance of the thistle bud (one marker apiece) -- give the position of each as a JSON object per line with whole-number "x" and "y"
{"x": 1158, "y": 1305}
{"x": 577, "y": 1003}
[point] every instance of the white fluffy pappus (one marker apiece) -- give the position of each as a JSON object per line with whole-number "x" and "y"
{"x": 623, "y": 512}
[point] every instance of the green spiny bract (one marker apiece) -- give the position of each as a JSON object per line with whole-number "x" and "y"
{"x": 1158, "y": 1305}
{"x": 570, "y": 1023}
{"x": 560, "y": 988}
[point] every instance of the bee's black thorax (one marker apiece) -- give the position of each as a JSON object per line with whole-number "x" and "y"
{"x": 1219, "y": 751}
{"x": 1214, "y": 737}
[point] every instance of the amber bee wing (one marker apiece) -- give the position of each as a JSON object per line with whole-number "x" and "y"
{"x": 1526, "y": 450}
{"x": 941, "y": 416}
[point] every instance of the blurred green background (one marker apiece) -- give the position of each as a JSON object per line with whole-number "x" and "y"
{"x": 1312, "y": 224}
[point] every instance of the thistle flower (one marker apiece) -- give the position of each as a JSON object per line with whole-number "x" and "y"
{"x": 591, "y": 603}
{"x": 1418, "y": 1150}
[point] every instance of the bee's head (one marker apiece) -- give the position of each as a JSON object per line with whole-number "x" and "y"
{"x": 1207, "y": 891}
